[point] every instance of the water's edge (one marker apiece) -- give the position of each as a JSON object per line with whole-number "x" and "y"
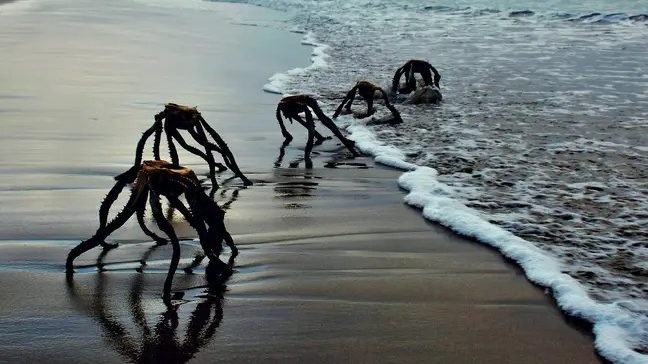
{"x": 611, "y": 323}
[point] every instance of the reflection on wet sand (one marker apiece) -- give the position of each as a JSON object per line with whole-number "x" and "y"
{"x": 144, "y": 259}
{"x": 297, "y": 184}
{"x": 294, "y": 188}
{"x": 294, "y": 163}
{"x": 337, "y": 159}
{"x": 157, "y": 342}
{"x": 228, "y": 196}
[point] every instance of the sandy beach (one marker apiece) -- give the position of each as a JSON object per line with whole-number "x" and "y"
{"x": 333, "y": 266}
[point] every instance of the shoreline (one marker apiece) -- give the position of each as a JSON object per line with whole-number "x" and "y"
{"x": 615, "y": 325}
{"x": 602, "y": 321}
{"x": 324, "y": 274}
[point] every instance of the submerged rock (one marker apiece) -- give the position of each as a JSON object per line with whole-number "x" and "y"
{"x": 586, "y": 17}
{"x": 385, "y": 120}
{"x": 424, "y": 95}
{"x": 639, "y": 17}
{"x": 520, "y": 13}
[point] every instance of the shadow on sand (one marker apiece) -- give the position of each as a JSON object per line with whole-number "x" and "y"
{"x": 140, "y": 340}
{"x": 336, "y": 159}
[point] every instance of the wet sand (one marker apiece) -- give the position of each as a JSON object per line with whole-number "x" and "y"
{"x": 333, "y": 267}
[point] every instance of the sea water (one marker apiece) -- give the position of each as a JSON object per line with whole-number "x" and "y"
{"x": 540, "y": 147}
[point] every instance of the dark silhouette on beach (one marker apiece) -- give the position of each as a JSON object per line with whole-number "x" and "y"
{"x": 367, "y": 90}
{"x": 171, "y": 120}
{"x": 153, "y": 180}
{"x": 411, "y": 67}
{"x": 292, "y": 106}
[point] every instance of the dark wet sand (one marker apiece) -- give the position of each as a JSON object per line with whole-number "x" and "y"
{"x": 333, "y": 266}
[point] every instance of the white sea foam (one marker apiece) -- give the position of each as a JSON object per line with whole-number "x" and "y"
{"x": 278, "y": 81}
{"x": 616, "y": 328}
{"x": 276, "y": 84}
{"x": 367, "y": 142}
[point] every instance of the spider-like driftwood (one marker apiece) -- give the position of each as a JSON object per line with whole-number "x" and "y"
{"x": 292, "y": 106}
{"x": 367, "y": 90}
{"x": 171, "y": 120}
{"x": 153, "y": 180}
{"x": 411, "y": 67}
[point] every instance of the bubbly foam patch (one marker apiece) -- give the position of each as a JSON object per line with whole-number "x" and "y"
{"x": 615, "y": 327}
{"x": 279, "y": 81}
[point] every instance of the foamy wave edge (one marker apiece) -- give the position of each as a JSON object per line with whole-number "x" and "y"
{"x": 616, "y": 329}
{"x": 277, "y": 84}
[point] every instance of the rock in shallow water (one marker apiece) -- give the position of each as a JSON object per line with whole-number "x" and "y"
{"x": 387, "y": 119}
{"x": 424, "y": 95}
